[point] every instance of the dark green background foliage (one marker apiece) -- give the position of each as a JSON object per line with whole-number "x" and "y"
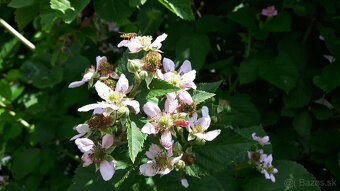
{"x": 272, "y": 78}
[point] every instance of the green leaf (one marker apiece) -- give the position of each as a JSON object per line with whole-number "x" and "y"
{"x": 193, "y": 48}
{"x": 246, "y": 114}
{"x": 226, "y": 149}
{"x": 61, "y": 5}
{"x": 136, "y": 3}
{"x": 245, "y": 16}
{"x": 279, "y": 23}
{"x": 258, "y": 129}
{"x": 8, "y": 49}
{"x": 302, "y": 123}
{"x": 113, "y": 10}
{"x": 329, "y": 78}
{"x": 291, "y": 177}
{"x": 67, "y": 11}
{"x": 86, "y": 178}
{"x": 281, "y": 72}
{"x": 332, "y": 41}
{"x": 25, "y": 162}
{"x": 135, "y": 140}
{"x": 299, "y": 96}
{"x": 160, "y": 87}
{"x": 5, "y": 90}
{"x": 25, "y": 15}
{"x": 321, "y": 112}
{"x": 209, "y": 87}
{"x": 20, "y": 3}
{"x": 201, "y": 96}
{"x": 249, "y": 68}
{"x": 182, "y": 8}
{"x": 13, "y": 74}
{"x": 16, "y": 91}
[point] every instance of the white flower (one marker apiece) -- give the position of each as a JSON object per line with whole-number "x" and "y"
{"x": 114, "y": 99}
{"x": 268, "y": 169}
{"x": 183, "y": 79}
{"x": 162, "y": 121}
{"x": 264, "y": 140}
{"x": 139, "y": 43}
{"x": 89, "y": 74}
{"x": 199, "y": 126}
{"x": 160, "y": 162}
{"x": 87, "y": 146}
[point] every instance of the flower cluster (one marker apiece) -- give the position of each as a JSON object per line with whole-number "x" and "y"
{"x": 263, "y": 162}
{"x": 165, "y": 124}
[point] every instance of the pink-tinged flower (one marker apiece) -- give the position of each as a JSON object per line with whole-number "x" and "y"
{"x": 82, "y": 129}
{"x": 256, "y": 156}
{"x": 184, "y": 183}
{"x": 183, "y": 79}
{"x": 114, "y": 99}
{"x": 269, "y": 11}
{"x": 89, "y": 74}
{"x": 92, "y": 153}
{"x": 161, "y": 161}
{"x": 139, "y": 43}
{"x": 162, "y": 121}
{"x": 263, "y": 141}
{"x": 268, "y": 169}
{"x": 198, "y": 127}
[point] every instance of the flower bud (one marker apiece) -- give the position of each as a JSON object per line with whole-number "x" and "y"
{"x": 123, "y": 111}
{"x": 179, "y": 165}
{"x": 143, "y": 74}
{"x": 133, "y": 65}
{"x": 152, "y": 61}
{"x": 177, "y": 148}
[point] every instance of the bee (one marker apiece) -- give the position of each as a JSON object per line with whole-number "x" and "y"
{"x": 128, "y": 35}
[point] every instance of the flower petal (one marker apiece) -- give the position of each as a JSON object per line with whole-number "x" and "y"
{"x": 185, "y": 183}
{"x": 98, "y": 111}
{"x": 76, "y": 84}
{"x": 134, "y": 104}
{"x": 107, "y": 169}
{"x": 99, "y": 59}
{"x": 166, "y": 139}
{"x": 148, "y": 128}
{"x": 164, "y": 172}
{"x": 186, "y": 67}
{"x": 205, "y": 111}
{"x": 97, "y": 105}
{"x": 171, "y": 96}
{"x": 160, "y": 74}
{"x": 209, "y": 136}
{"x": 185, "y": 96}
{"x": 188, "y": 77}
{"x": 168, "y": 65}
{"x": 153, "y": 152}
{"x": 176, "y": 159}
{"x": 204, "y": 122}
{"x": 122, "y": 84}
{"x": 147, "y": 169}
{"x": 103, "y": 90}
{"x": 157, "y": 43}
{"x": 107, "y": 141}
{"x": 170, "y": 106}
{"x": 151, "y": 109}
{"x": 85, "y": 145}
{"x": 87, "y": 159}
{"x": 77, "y": 136}
{"x": 82, "y": 128}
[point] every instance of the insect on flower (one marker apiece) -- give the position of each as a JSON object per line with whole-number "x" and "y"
{"x": 128, "y": 35}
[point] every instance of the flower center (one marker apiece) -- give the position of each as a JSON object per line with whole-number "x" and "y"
{"x": 175, "y": 80}
{"x": 164, "y": 122}
{"x": 99, "y": 121}
{"x": 145, "y": 40}
{"x": 163, "y": 161}
{"x": 197, "y": 129}
{"x": 114, "y": 97}
{"x": 99, "y": 154}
